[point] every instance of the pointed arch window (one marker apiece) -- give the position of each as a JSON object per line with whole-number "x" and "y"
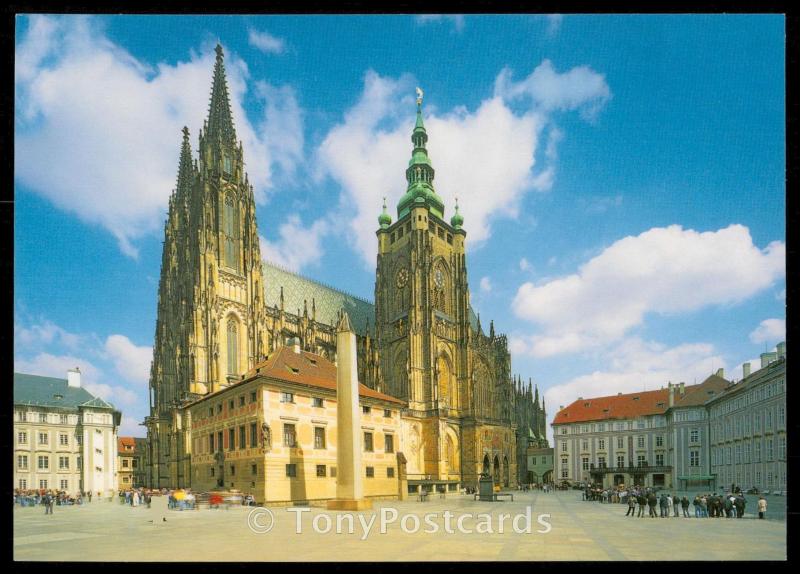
{"x": 231, "y": 231}
{"x": 233, "y": 347}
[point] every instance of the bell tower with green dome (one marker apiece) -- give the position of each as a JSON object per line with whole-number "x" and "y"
{"x": 422, "y": 313}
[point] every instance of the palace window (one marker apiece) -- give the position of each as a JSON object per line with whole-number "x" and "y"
{"x": 63, "y": 462}
{"x": 640, "y": 460}
{"x": 291, "y": 470}
{"x": 43, "y": 483}
{"x": 368, "y": 442}
{"x": 254, "y": 469}
{"x": 640, "y": 441}
{"x": 44, "y": 438}
{"x": 211, "y": 442}
{"x": 287, "y": 397}
{"x": 253, "y": 397}
{"x": 601, "y": 444}
{"x": 620, "y": 442}
{"x": 370, "y": 472}
{"x": 44, "y": 463}
{"x": 365, "y": 409}
{"x": 62, "y": 419}
{"x": 601, "y": 462}
{"x": 585, "y": 463}
{"x": 22, "y": 438}
{"x": 322, "y": 471}
{"x": 388, "y": 443}
{"x": 22, "y": 462}
{"x": 319, "y": 437}
{"x": 289, "y": 436}
{"x": 694, "y": 435}
{"x": 241, "y": 401}
{"x": 242, "y": 437}
{"x": 621, "y": 460}
{"x": 390, "y": 472}
{"x": 316, "y": 402}
{"x": 694, "y": 458}
{"x": 659, "y": 440}
{"x": 253, "y": 435}
{"x": 660, "y": 459}
{"x": 387, "y": 413}
{"x": 42, "y": 417}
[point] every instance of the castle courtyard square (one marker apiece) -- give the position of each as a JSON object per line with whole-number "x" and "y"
{"x": 110, "y": 531}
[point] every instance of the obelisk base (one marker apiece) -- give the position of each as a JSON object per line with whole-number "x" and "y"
{"x": 344, "y": 504}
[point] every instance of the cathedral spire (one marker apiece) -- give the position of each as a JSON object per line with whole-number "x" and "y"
{"x": 185, "y": 166}
{"x": 220, "y": 119}
{"x": 420, "y": 172}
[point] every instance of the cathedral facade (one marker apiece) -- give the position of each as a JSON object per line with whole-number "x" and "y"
{"x": 222, "y": 312}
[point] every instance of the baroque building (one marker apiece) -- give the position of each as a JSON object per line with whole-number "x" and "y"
{"x": 65, "y": 438}
{"x": 222, "y": 312}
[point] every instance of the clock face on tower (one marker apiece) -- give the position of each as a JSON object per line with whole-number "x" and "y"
{"x": 438, "y": 278}
{"x": 401, "y": 278}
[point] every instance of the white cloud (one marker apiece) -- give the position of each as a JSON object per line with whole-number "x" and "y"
{"x": 45, "y": 333}
{"x": 265, "y": 42}
{"x": 368, "y": 152}
{"x": 131, "y": 361}
{"x": 486, "y": 284}
{"x": 457, "y": 20}
{"x": 636, "y": 365}
{"x": 524, "y": 264}
{"x": 580, "y": 88}
{"x": 298, "y": 246}
{"x": 663, "y": 270}
{"x": 769, "y": 331}
{"x": 118, "y": 173}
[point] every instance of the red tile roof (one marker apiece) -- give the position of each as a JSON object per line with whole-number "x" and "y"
{"x": 123, "y": 441}
{"x": 632, "y": 405}
{"x": 308, "y": 369}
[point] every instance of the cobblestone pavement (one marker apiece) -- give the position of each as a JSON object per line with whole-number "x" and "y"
{"x": 579, "y": 531}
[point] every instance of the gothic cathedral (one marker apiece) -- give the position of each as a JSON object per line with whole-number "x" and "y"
{"x": 221, "y": 311}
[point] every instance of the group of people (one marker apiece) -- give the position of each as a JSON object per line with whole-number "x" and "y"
{"x": 49, "y": 498}
{"x": 643, "y": 501}
{"x": 135, "y": 497}
{"x": 543, "y": 486}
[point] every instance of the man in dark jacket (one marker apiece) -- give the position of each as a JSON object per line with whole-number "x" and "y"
{"x": 651, "y": 503}
{"x": 728, "y": 505}
{"x": 642, "y": 501}
{"x": 685, "y": 506}
{"x": 663, "y": 504}
{"x": 739, "y": 503}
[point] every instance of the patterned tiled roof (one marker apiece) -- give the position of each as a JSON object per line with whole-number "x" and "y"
{"x": 328, "y": 300}
{"x": 51, "y": 392}
{"x": 307, "y": 369}
{"x": 125, "y": 441}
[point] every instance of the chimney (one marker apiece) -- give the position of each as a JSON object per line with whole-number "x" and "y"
{"x": 720, "y": 373}
{"x": 74, "y": 378}
{"x": 767, "y": 358}
{"x": 681, "y": 388}
{"x": 745, "y": 370}
{"x": 671, "y": 389}
{"x": 781, "y": 348}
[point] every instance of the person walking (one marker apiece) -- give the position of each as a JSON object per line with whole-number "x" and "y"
{"x": 662, "y": 505}
{"x": 670, "y": 505}
{"x": 704, "y": 506}
{"x": 728, "y": 507}
{"x": 676, "y": 505}
{"x": 642, "y": 501}
{"x": 762, "y": 507}
{"x": 631, "y": 506}
{"x": 90, "y": 496}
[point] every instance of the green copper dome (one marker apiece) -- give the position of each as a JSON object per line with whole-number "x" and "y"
{"x": 419, "y": 174}
{"x": 457, "y": 220}
{"x": 384, "y": 219}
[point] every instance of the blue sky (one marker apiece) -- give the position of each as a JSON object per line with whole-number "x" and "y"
{"x": 621, "y": 178}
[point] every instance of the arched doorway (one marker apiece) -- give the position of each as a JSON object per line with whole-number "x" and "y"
{"x": 496, "y": 474}
{"x": 506, "y": 481}
{"x": 619, "y": 479}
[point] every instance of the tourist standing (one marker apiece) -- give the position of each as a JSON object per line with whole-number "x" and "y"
{"x": 670, "y": 504}
{"x": 631, "y": 506}
{"x": 762, "y": 507}
{"x": 685, "y": 506}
